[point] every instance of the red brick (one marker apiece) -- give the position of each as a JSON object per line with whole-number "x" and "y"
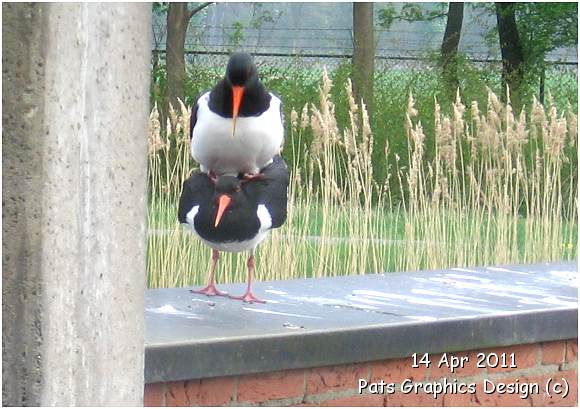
{"x": 154, "y": 394}
{"x": 396, "y": 370}
{"x": 330, "y": 378}
{"x": 572, "y": 350}
{"x": 469, "y": 367}
{"x": 271, "y": 385}
{"x": 526, "y": 356}
{"x": 553, "y": 352}
{"x": 359, "y": 400}
{"x": 480, "y": 398}
{"x": 556, "y": 400}
{"x": 216, "y": 391}
{"x": 458, "y": 399}
{"x": 413, "y": 399}
{"x": 541, "y": 399}
{"x": 179, "y": 393}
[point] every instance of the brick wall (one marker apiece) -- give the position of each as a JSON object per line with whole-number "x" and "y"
{"x": 338, "y": 385}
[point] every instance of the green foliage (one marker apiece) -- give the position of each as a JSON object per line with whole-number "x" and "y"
{"x": 544, "y": 27}
{"x": 234, "y": 35}
{"x": 410, "y": 12}
{"x": 160, "y": 7}
{"x": 260, "y": 16}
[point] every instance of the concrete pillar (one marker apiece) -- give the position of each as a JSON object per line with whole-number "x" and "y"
{"x": 75, "y": 116}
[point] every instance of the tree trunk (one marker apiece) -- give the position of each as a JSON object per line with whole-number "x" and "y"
{"x": 511, "y": 51}
{"x": 177, "y": 21}
{"x": 450, "y": 45}
{"x": 363, "y": 59}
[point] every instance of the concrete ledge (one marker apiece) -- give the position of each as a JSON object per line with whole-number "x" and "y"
{"x": 331, "y": 321}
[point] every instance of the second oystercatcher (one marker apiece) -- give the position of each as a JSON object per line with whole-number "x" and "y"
{"x": 237, "y": 127}
{"x": 234, "y": 214}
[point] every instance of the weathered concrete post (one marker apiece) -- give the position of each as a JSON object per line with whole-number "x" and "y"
{"x": 75, "y": 99}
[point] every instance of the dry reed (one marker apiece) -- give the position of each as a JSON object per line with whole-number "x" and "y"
{"x": 492, "y": 193}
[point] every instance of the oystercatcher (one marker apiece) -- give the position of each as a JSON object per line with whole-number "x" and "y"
{"x": 235, "y": 213}
{"x": 237, "y": 127}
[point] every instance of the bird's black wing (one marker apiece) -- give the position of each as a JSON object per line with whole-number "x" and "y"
{"x": 272, "y": 189}
{"x": 195, "y": 189}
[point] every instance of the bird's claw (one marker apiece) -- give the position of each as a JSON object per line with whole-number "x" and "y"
{"x": 210, "y": 291}
{"x": 247, "y": 177}
{"x": 248, "y": 297}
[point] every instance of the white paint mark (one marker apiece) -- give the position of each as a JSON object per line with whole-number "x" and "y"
{"x": 529, "y": 302}
{"x": 203, "y": 301}
{"x": 464, "y": 269}
{"x": 506, "y": 270}
{"x": 421, "y": 291}
{"x": 171, "y": 310}
{"x": 292, "y": 326}
{"x": 439, "y": 302}
{"x": 464, "y": 277}
{"x": 333, "y": 301}
{"x": 570, "y": 276}
{"x": 421, "y": 318}
{"x": 275, "y": 292}
{"x": 365, "y": 300}
{"x": 559, "y": 301}
{"x": 260, "y": 310}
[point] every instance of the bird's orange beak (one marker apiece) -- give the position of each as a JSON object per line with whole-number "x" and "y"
{"x": 224, "y": 202}
{"x": 237, "y": 94}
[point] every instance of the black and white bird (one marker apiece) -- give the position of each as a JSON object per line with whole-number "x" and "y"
{"x": 237, "y": 127}
{"x": 234, "y": 214}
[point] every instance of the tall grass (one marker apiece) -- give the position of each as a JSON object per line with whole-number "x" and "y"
{"x": 494, "y": 192}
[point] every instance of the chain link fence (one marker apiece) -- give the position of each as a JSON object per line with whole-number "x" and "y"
{"x": 561, "y": 78}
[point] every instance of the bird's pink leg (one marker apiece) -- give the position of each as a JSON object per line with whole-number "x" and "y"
{"x": 249, "y": 296}
{"x": 210, "y": 289}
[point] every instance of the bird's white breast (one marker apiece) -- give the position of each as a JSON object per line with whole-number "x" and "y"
{"x": 256, "y": 140}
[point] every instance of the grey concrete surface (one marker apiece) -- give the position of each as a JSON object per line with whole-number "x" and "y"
{"x": 331, "y": 321}
{"x": 75, "y": 117}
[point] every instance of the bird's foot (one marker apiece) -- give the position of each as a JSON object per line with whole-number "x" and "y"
{"x": 247, "y": 177}
{"x": 212, "y": 176}
{"x": 247, "y": 297}
{"x": 210, "y": 291}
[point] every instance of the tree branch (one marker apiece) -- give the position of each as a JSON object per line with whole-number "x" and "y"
{"x": 196, "y": 10}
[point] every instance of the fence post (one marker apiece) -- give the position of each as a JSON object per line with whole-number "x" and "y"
{"x": 542, "y": 82}
{"x": 75, "y": 97}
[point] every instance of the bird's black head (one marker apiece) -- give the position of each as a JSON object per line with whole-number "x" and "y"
{"x": 241, "y": 78}
{"x": 241, "y": 70}
{"x": 227, "y": 195}
{"x": 228, "y": 185}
